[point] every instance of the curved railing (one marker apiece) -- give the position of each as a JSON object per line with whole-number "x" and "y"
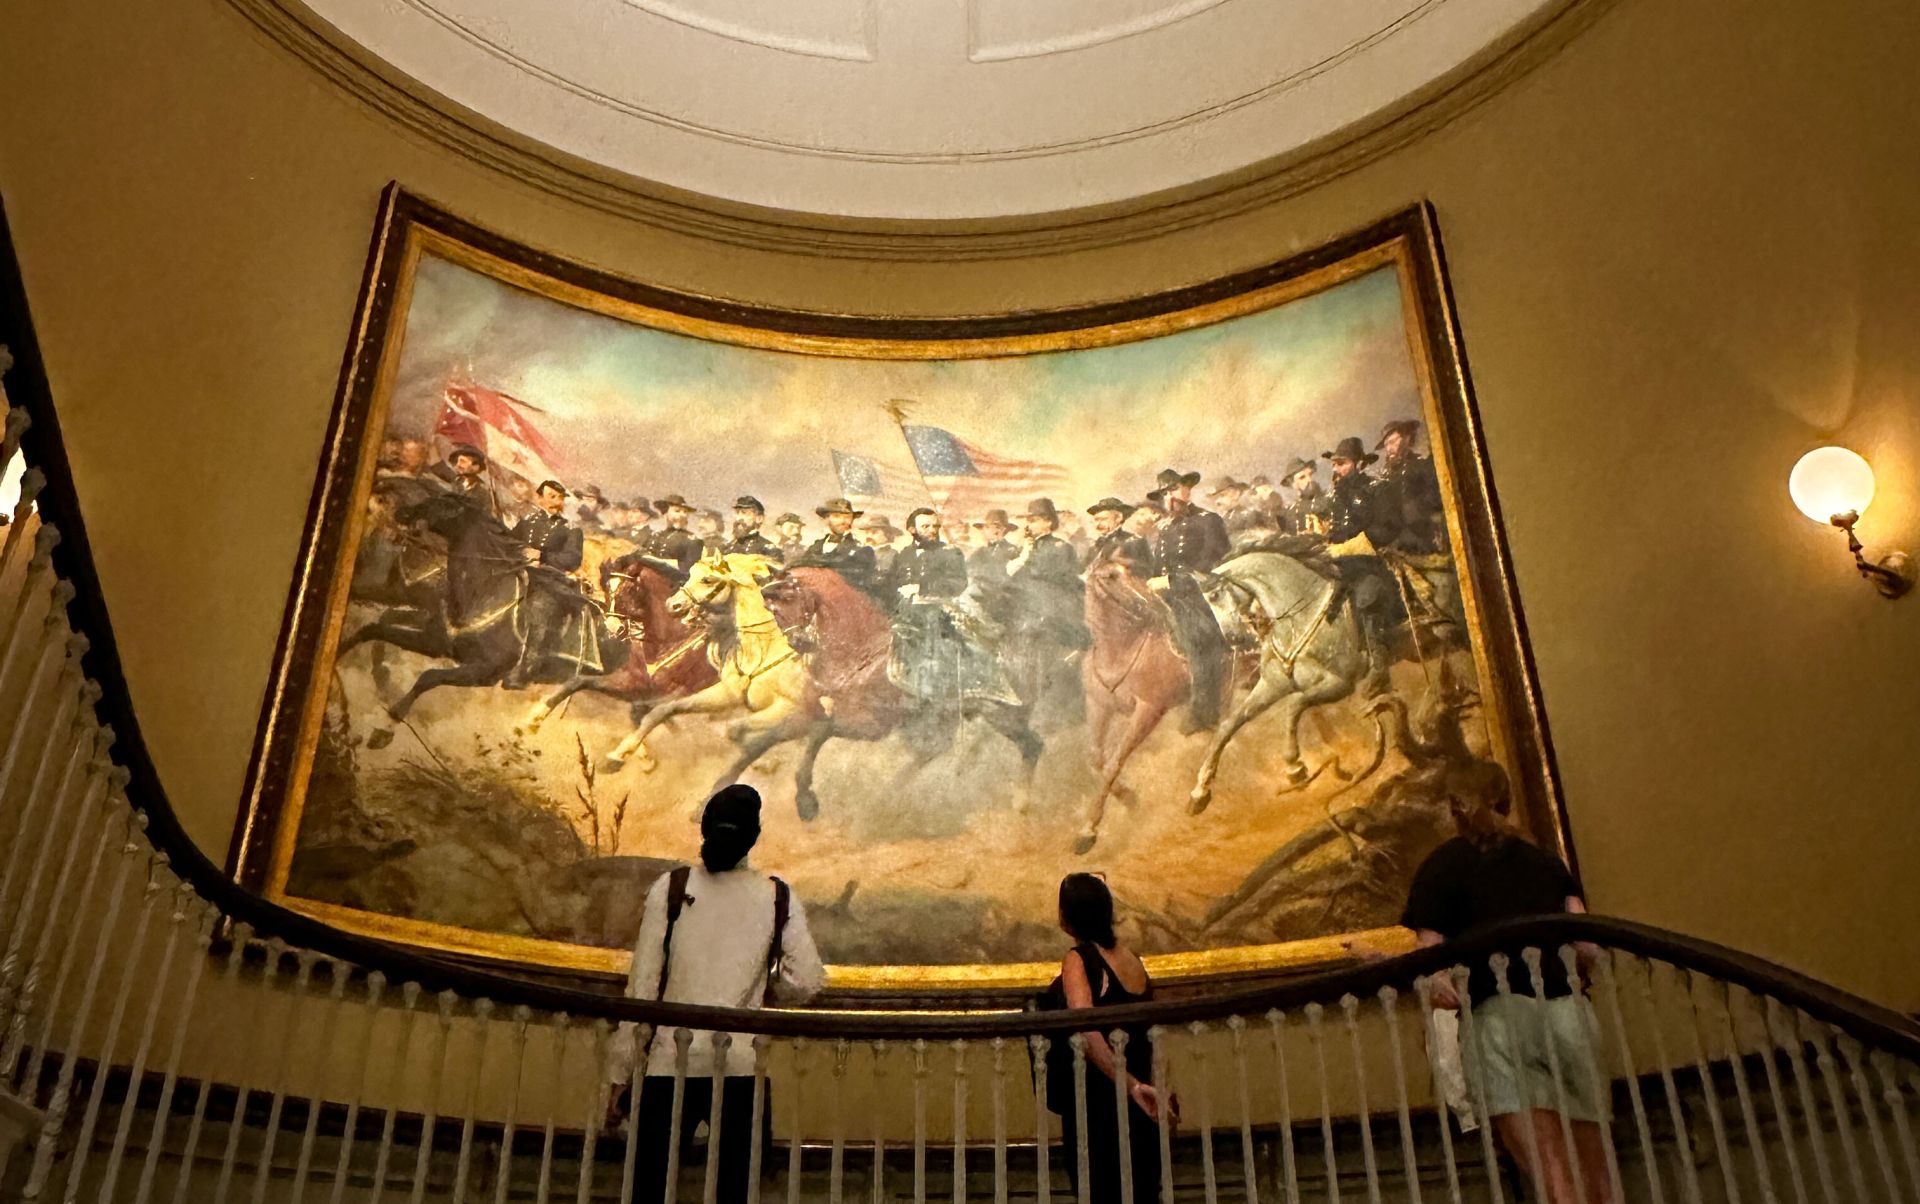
{"x": 166, "y": 1035}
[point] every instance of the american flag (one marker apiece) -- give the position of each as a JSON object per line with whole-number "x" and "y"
{"x": 494, "y": 423}
{"x": 875, "y": 484}
{"x": 966, "y": 479}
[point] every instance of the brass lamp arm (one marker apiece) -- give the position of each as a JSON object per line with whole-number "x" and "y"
{"x": 1892, "y": 575}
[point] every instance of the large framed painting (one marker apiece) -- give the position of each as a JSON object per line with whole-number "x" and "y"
{"x": 1204, "y": 591}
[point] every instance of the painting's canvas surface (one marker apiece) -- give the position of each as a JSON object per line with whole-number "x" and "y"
{"x": 1239, "y": 538}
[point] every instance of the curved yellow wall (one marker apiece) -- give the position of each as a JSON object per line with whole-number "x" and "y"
{"x": 1684, "y": 252}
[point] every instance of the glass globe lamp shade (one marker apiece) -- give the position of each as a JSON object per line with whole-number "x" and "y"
{"x": 1829, "y": 481}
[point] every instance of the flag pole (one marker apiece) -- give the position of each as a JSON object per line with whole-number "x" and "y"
{"x": 896, "y": 409}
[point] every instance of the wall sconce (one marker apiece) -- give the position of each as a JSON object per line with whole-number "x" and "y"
{"x": 1834, "y": 485}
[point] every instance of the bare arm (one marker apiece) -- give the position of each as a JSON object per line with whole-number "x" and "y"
{"x": 1585, "y": 953}
{"x": 1073, "y": 977}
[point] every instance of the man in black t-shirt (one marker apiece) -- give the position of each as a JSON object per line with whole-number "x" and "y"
{"x": 1529, "y": 1055}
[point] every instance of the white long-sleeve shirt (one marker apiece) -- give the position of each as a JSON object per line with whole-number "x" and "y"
{"x": 719, "y": 959}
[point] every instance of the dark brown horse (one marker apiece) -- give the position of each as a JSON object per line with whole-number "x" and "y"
{"x": 846, "y": 641}
{"x": 1133, "y": 676}
{"x": 664, "y": 655}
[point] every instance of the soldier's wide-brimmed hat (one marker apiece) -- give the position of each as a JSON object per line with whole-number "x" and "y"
{"x": 789, "y": 517}
{"x": 467, "y": 449}
{"x": 671, "y": 500}
{"x": 1114, "y": 504}
{"x": 1296, "y": 467}
{"x": 876, "y": 522}
{"x": 837, "y": 505}
{"x": 1406, "y": 427}
{"x": 638, "y": 503}
{"x": 1229, "y": 485}
{"x": 1170, "y": 478}
{"x": 749, "y": 502}
{"x": 592, "y": 494}
{"x": 1350, "y": 448}
{"x": 1042, "y": 507}
{"x": 993, "y": 518}
{"x": 1259, "y": 481}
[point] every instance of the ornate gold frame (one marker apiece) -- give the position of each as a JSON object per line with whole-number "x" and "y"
{"x": 409, "y": 227}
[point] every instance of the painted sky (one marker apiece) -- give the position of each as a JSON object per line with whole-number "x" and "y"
{"x": 639, "y": 411}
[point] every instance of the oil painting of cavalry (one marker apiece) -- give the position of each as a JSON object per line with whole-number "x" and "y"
{"x": 1191, "y": 609}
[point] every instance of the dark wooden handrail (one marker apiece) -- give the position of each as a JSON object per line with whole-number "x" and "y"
{"x": 27, "y": 388}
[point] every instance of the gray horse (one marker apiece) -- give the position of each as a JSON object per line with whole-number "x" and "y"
{"x": 1311, "y": 652}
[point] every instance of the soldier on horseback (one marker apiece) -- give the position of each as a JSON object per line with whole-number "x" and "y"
{"x": 1192, "y": 542}
{"x": 938, "y": 656}
{"x": 558, "y": 624}
{"x": 1117, "y": 545}
{"x": 839, "y": 549}
{"x": 748, "y": 514}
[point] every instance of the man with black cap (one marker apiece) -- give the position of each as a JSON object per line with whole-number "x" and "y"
{"x": 792, "y": 538}
{"x": 1117, "y": 545}
{"x": 1410, "y": 489}
{"x": 1306, "y": 514}
{"x": 674, "y": 547}
{"x": 717, "y": 934}
{"x": 839, "y": 549}
{"x": 1192, "y": 542}
{"x": 747, "y": 540}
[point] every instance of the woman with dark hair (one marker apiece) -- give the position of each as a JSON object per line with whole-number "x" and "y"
{"x": 720, "y": 934}
{"x": 1099, "y": 972}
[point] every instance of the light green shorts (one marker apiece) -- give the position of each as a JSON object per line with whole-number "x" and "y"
{"x": 1520, "y": 1046}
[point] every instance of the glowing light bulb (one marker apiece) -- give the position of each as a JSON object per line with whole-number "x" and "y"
{"x": 1829, "y": 481}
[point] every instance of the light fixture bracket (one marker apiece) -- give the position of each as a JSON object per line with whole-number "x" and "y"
{"x": 1892, "y": 574}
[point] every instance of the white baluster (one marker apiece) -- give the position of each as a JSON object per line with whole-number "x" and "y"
{"x": 1780, "y": 1025}
{"x": 1857, "y": 1075}
{"x": 682, "y": 1040}
{"x": 329, "y": 1029}
{"x": 52, "y": 702}
{"x": 1042, "y": 1128}
{"x": 83, "y": 1145}
{"x": 430, "y": 1115}
{"x": 1313, "y": 1013}
{"x": 1630, "y": 1071}
{"x": 170, "y": 1080}
{"x": 1474, "y": 1055}
{"x": 1080, "y": 1153}
{"x": 1203, "y": 1091}
{"x": 1163, "y": 1083}
{"x": 46, "y": 642}
{"x": 1289, "y": 1171}
{"x": 1842, "y": 1115}
{"x": 304, "y": 961}
{"x": 1570, "y": 964}
{"x": 1756, "y": 1143}
{"x": 959, "y": 1122}
{"x": 1423, "y": 990}
{"x": 1350, "y": 1007}
{"x": 32, "y": 482}
{"x": 98, "y": 804}
{"x": 999, "y": 1054}
{"x": 756, "y": 1148}
{"x": 722, "y": 1043}
{"x": 1883, "y": 1065}
{"x": 522, "y": 1016}
{"x": 880, "y": 1103}
{"x": 396, "y": 1083}
{"x": 276, "y": 948}
{"x": 39, "y": 568}
{"x": 482, "y": 1017}
{"x": 800, "y": 1118}
{"x": 1769, "y": 1059}
{"x": 596, "y": 1112}
{"x": 1687, "y": 1170}
{"x": 238, "y": 936}
{"x": 1541, "y": 1009}
{"x": 556, "y": 1090}
{"x": 40, "y": 802}
{"x": 75, "y": 813}
{"x": 1709, "y": 1090}
{"x": 183, "y": 911}
{"x": 837, "y": 1135}
{"x": 640, "y": 1048}
{"x": 116, "y": 823}
{"x": 919, "y": 1127}
{"x": 1536, "y": 1170}
{"x": 1389, "y": 1010}
{"x": 70, "y": 1052}
{"x": 1237, "y": 1025}
{"x": 349, "y": 1127}
{"x": 1117, "y": 1043}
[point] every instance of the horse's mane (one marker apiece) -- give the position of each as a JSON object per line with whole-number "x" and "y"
{"x": 1143, "y": 608}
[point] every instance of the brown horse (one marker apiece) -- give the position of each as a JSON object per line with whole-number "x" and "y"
{"x": 665, "y": 656}
{"x": 1133, "y": 675}
{"x": 846, "y": 640}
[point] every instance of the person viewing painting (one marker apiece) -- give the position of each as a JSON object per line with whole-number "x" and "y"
{"x": 1529, "y": 1054}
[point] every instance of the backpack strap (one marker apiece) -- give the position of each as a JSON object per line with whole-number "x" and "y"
{"x": 782, "y": 908}
{"x": 676, "y": 901}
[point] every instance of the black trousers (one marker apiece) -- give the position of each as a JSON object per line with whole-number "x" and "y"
{"x": 1104, "y": 1185}
{"x": 653, "y": 1136}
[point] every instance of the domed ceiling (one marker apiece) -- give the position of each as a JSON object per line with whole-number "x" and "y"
{"x": 933, "y": 108}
